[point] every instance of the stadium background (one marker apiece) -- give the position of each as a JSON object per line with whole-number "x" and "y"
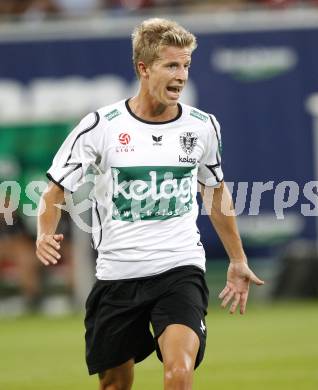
{"x": 256, "y": 70}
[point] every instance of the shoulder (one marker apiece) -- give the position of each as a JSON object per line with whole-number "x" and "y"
{"x": 199, "y": 115}
{"x": 100, "y": 118}
{"x": 195, "y": 114}
{"x": 88, "y": 122}
{"x": 110, "y": 112}
{"x": 207, "y": 120}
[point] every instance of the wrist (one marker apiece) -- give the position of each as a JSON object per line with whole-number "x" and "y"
{"x": 238, "y": 260}
{"x": 39, "y": 238}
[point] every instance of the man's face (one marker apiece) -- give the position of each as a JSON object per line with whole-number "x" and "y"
{"x": 166, "y": 77}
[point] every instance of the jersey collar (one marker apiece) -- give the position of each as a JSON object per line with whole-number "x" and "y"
{"x": 150, "y": 122}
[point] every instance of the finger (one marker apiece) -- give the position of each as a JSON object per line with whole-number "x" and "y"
{"x": 224, "y": 292}
{"x": 235, "y": 302}
{"x": 227, "y": 298}
{"x": 50, "y": 258}
{"x": 44, "y": 254}
{"x": 46, "y": 247}
{"x": 52, "y": 252}
{"x": 254, "y": 279}
{"x": 53, "y": 243}
{"x": 243, "y": 302}
{"x": 58, "y": 237}
{"x": 42, "y": 259}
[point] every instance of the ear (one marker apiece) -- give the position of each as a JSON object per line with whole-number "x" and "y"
{"x": 143, "y": 69}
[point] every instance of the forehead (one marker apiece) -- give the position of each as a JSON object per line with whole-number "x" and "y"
{"x": 173, "y": 53}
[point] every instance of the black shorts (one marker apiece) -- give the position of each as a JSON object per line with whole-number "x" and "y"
{"x": 119, "y": 313}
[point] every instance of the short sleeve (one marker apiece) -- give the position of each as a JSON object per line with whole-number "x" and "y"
{"x": 210, "y": 170}
{"x": 78, "y": 152}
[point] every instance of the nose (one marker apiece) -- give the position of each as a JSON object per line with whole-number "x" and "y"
{"x": 182, "y": 74}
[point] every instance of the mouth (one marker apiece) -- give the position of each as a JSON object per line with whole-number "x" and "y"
{"x": 174, "y": 91}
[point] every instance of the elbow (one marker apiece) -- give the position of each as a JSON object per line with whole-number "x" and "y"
{"x": 53, "y": 195}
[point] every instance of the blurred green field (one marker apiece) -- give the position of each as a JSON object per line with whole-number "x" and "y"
{"x": 272, "y": 347}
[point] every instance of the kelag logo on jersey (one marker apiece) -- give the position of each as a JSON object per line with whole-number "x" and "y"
{"x": 151, "y": 192}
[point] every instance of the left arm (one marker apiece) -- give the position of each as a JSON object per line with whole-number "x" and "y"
{"x": 239, "y": 275}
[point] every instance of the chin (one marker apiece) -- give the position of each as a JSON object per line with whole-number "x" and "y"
{"x": 172, "y": 103}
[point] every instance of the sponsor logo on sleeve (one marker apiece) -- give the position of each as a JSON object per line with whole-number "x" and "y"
{"x": 112, "y": 114}
{"x": 199, "y": 115}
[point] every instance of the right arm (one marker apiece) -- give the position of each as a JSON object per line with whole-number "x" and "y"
{"x": 48, "y": 243}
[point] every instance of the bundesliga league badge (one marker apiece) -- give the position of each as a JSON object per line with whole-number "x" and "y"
{"x": 188, "y": 140}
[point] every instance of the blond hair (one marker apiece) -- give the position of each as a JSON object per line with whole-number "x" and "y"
{"x": 153, "y": 34}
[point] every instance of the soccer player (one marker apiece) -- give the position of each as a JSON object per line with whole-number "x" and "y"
{"x": 146, "y": 154}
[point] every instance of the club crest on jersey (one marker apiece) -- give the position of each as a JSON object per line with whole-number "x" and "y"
{"x": 188, "y": 140}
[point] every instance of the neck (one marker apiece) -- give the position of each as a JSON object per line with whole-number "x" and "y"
{"x": 150, "y": 110}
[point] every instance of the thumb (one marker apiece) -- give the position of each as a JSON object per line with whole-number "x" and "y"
{"x": 58, "y": 237}
{"x": 254, "y": 279}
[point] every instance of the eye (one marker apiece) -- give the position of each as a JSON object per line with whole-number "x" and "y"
{"x": 173, "y": 66}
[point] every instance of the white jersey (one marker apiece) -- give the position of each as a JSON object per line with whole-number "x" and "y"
{"x": 145, "y": 174}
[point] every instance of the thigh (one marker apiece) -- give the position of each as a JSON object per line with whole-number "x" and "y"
{"x": 179, "y": 345}
{"x": 117, "y": 326}
{"x": 120, "y": 377}
{"x": 184, "y": 303}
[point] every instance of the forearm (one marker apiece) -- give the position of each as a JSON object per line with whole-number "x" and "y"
{"x": 224, "y": 221}
{"x": 49, "y": 213}
{"x": 227, "y": 230}
{"x": 48, "y": 243}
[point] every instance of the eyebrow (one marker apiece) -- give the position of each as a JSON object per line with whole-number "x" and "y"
{"x": 177, "y": 63}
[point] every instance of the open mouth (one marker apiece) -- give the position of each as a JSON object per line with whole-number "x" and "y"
{"x": 174, "y": 89}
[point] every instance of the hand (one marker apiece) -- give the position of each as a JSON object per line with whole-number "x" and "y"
{"x": 47, "y": 247}
{"x": 239, "y": 277}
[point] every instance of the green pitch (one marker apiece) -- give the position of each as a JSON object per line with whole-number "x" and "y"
{"x": 272, "y": 347}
